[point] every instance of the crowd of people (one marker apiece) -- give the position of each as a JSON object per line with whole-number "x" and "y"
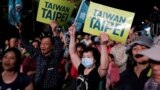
{"x": 87, "y": 63}
{"x": 76, "y": 61}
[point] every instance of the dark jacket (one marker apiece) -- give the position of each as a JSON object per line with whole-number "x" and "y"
{"x": 130, "y": 81}
{"x": 46, "y": 67}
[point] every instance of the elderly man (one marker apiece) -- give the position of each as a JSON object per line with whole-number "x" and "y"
{"x": 153, "y": 53}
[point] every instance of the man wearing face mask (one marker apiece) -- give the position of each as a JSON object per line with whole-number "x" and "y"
{"x": 89, "y": 69}
{"x": 135, "y": 77}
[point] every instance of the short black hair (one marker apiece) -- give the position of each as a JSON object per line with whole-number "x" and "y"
{"x": 50, "y": 37}
{"x": 13, "y": 37}
{"x": 36, "y": 41}
{"x": 96, "y": 54}
{"x": 18, "y": 57}
{"x": 80, "y": 45}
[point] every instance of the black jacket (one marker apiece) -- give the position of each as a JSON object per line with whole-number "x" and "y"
{"x": 130, "y": 81}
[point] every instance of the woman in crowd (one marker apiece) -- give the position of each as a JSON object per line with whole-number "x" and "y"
{"x": 10, "y": 78}
{"x": 89, "y": 71}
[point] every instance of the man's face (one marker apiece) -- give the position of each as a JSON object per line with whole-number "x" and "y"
{"x": 135, "y": 50}
{"x": 79, "y": 49}
{"x": 86, "y": 37}
{"x": 13, "y": 42}
{"x": 35, "y": 44}
{"x": 46, "y": 46}
{"x": 155, "y": 71}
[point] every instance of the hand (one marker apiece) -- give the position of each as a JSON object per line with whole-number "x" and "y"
{"x": 30, "y": 73}
{"x": 104, "y": 38}
{"x": 18, "y": 8}
{"x": 72, "y": 30}
{"x": 23, "y": 51}
{"x": 53, "y": 25}
{"x": 19, "y": 26}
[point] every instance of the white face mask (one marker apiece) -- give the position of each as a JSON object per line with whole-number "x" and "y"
{"x": 87, "y": 62}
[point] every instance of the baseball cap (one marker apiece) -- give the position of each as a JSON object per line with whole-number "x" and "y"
{"x": 153, "y": 53}
{"x": 142, "y": 40}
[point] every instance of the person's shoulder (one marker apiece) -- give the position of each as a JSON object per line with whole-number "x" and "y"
{"x": 23, "y": 76}
{"x": 81, "y": 69}
{"x": 126, "y": 73}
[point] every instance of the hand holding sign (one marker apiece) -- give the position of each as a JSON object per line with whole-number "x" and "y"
{"x": 72, "y": 30}
{"x": 19, "y": 26}
{"x": 113, "y": 21}
{"x": 104, "y": 38}
{"x": 58, "y": 10}
{"x": 54, "y": 25}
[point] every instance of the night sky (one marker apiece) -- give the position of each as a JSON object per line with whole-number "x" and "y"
{"x": 142, "y": 9}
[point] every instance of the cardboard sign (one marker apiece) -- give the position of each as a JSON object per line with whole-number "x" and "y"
{"x": 113, "y": 21}
{"x": 58, "y": 10}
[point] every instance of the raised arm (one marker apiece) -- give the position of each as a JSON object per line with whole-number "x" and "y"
{"x": 34, "y": 52}
{"x": 54, "y": 26}
{"x": 104, "y": 60}
{"x": 72, "y": 49}
{"x": 58, "y": 46}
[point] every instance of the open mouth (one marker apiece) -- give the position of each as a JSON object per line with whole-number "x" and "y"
{"x": 5, "y": 64}
{"x": 42, "y": 49}
{"x": 138, "y": 55}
